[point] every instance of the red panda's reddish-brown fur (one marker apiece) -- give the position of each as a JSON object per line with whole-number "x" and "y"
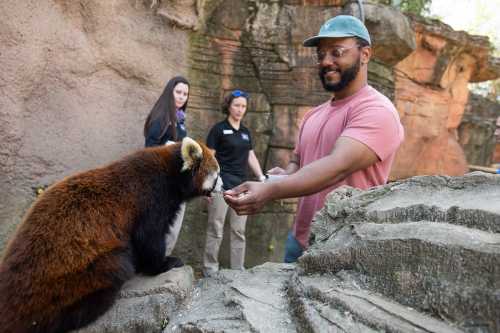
{"x": 88, "y": 234}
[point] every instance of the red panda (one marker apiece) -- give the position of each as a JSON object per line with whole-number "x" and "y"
{"x": 89, "y": 233}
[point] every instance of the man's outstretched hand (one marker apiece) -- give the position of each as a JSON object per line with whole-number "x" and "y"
{"x": 249, "y": 197}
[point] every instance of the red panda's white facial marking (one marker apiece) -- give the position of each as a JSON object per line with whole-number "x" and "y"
{"x": 210, "y": 181}
{"x": 207, "y": 174}
{"x": 211, "y": 177}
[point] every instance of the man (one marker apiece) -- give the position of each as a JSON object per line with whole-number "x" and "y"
{"x": 349, "y": 140}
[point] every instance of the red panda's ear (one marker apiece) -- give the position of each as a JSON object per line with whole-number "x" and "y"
{"x": 191, "y": 152}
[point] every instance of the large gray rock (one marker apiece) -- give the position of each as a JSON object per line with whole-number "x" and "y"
{"x": 145, "y": 303}
{"x": 390, "y": 30}
{"x": 466, "y": 201}
{"x": 338, "y": 303}
{"x": 432, "y": 243}
{"x": 238, "y": 301}
{"x": 420, "y": 255}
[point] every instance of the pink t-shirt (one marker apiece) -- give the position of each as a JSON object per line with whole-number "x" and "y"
{"x": 368, "y": 117}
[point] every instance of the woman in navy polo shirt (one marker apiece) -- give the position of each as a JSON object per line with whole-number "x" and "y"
{"x": 232, "y": 143}
{"x": 164, "y": 125}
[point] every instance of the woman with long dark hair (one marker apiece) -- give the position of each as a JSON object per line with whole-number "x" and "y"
{"x": 164, "y": 125}
{"x": 168, "y": 110}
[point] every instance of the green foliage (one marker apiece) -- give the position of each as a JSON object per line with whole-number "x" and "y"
{"x": 419, "y": 7}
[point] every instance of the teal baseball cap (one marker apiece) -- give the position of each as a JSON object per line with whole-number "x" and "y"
{"x": 340, "y": 26}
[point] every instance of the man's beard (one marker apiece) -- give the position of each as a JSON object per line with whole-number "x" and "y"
{"x": 346, "y": 76}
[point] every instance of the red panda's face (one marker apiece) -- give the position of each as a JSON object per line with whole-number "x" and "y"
{"x": 209, "y": 171}
{"x": 202, "y": 160}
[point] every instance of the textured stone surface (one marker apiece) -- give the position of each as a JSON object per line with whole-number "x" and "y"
{"x": 426, "y": 265}
{"x": 340, "y": 303}
{"x": 235, "y": 301}
{"x": 78, "y": 79}
{"x": 431, "y": 95}
{"x": 432, "y": 243}
{"x": 419, "y": 255}
{"x": 477, "y": 130}
{"x": 390, "y": 31}
{"x": 479, "y": 47}
{"x": 145, "y": 304}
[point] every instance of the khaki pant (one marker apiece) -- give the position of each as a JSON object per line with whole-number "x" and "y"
{"x": 175, "y": 229}
{"x": 217, "y": 210}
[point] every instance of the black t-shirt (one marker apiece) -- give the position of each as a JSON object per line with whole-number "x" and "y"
{"x": 153, "y": 136}
{"x": 231, "y": 150}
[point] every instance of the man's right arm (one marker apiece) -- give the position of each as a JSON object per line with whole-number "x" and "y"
{"x": 348, "y": 156}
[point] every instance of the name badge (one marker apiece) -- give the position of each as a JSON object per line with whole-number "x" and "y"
{"x": 245, "y": 137}
{"x": 227, "y": 132}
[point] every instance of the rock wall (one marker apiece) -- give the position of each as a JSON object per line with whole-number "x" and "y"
{"x": 478, "y": 133}
{"x": 79, "y": 77}
{"x": 431, "y": 95}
